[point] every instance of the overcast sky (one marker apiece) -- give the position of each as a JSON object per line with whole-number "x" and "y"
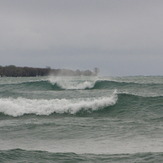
{"x": 121, "y": 37}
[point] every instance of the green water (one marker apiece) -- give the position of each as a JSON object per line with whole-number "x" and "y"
{"x": 81, "y": 119}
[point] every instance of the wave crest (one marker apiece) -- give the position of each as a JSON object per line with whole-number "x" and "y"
{"x": 21, "y": 106}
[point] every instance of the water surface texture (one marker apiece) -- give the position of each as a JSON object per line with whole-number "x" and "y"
{"x": 81, "y": 119}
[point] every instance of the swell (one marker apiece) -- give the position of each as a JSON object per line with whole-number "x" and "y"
{"x": 47, "y": 85}
{"x": 103, "y": 84}
{"x": 20, "y": 155}
{"x": 116, "y": 105}
{"x": 31, "y": 85}
{"x": 72, "y": 85}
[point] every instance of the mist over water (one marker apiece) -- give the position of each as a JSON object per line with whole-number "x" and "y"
{"x": 81, "y": 119}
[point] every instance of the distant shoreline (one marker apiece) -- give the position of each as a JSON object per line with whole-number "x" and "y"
{"x": 14, "y": 71}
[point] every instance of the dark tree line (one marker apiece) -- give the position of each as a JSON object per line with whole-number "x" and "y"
{"x": 13, "y": 71}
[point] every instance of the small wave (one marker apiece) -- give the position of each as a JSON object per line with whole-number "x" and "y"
{"x": 21, "y": 106}
{"x": 22, "y": 155}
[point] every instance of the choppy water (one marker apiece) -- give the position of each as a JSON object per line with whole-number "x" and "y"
{"x": 81, "y": 119}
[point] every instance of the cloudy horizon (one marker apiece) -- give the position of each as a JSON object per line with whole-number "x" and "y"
{"x": 121, "y": 37}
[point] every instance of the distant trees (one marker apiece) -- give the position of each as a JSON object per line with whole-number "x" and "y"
{"x": 13, "y": 71}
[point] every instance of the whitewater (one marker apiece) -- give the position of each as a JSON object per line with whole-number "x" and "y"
{"x": 81, "y": 119}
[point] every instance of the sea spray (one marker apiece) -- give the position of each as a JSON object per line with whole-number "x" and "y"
{"x": 72, "y": 82}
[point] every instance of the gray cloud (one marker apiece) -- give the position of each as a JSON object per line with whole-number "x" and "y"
{"x": 114, "y": 35}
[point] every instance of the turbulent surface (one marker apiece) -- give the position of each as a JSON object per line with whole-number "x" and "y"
{"x": 81, "y": 119}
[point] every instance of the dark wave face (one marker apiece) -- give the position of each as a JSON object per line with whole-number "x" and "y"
{"x": 81, "y": 119}
{"x": 135, "y": 107}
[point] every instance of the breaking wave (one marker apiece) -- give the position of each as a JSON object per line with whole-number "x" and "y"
{"x": 117, "y": 105}
{"x": 52, "y": 85}
{"x": 21, "y": 106}
{"x": 68, "y": 83}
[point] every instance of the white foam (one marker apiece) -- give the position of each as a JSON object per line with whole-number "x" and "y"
{"x": 73, "y": 83}
{"x": 21, "y": 106}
